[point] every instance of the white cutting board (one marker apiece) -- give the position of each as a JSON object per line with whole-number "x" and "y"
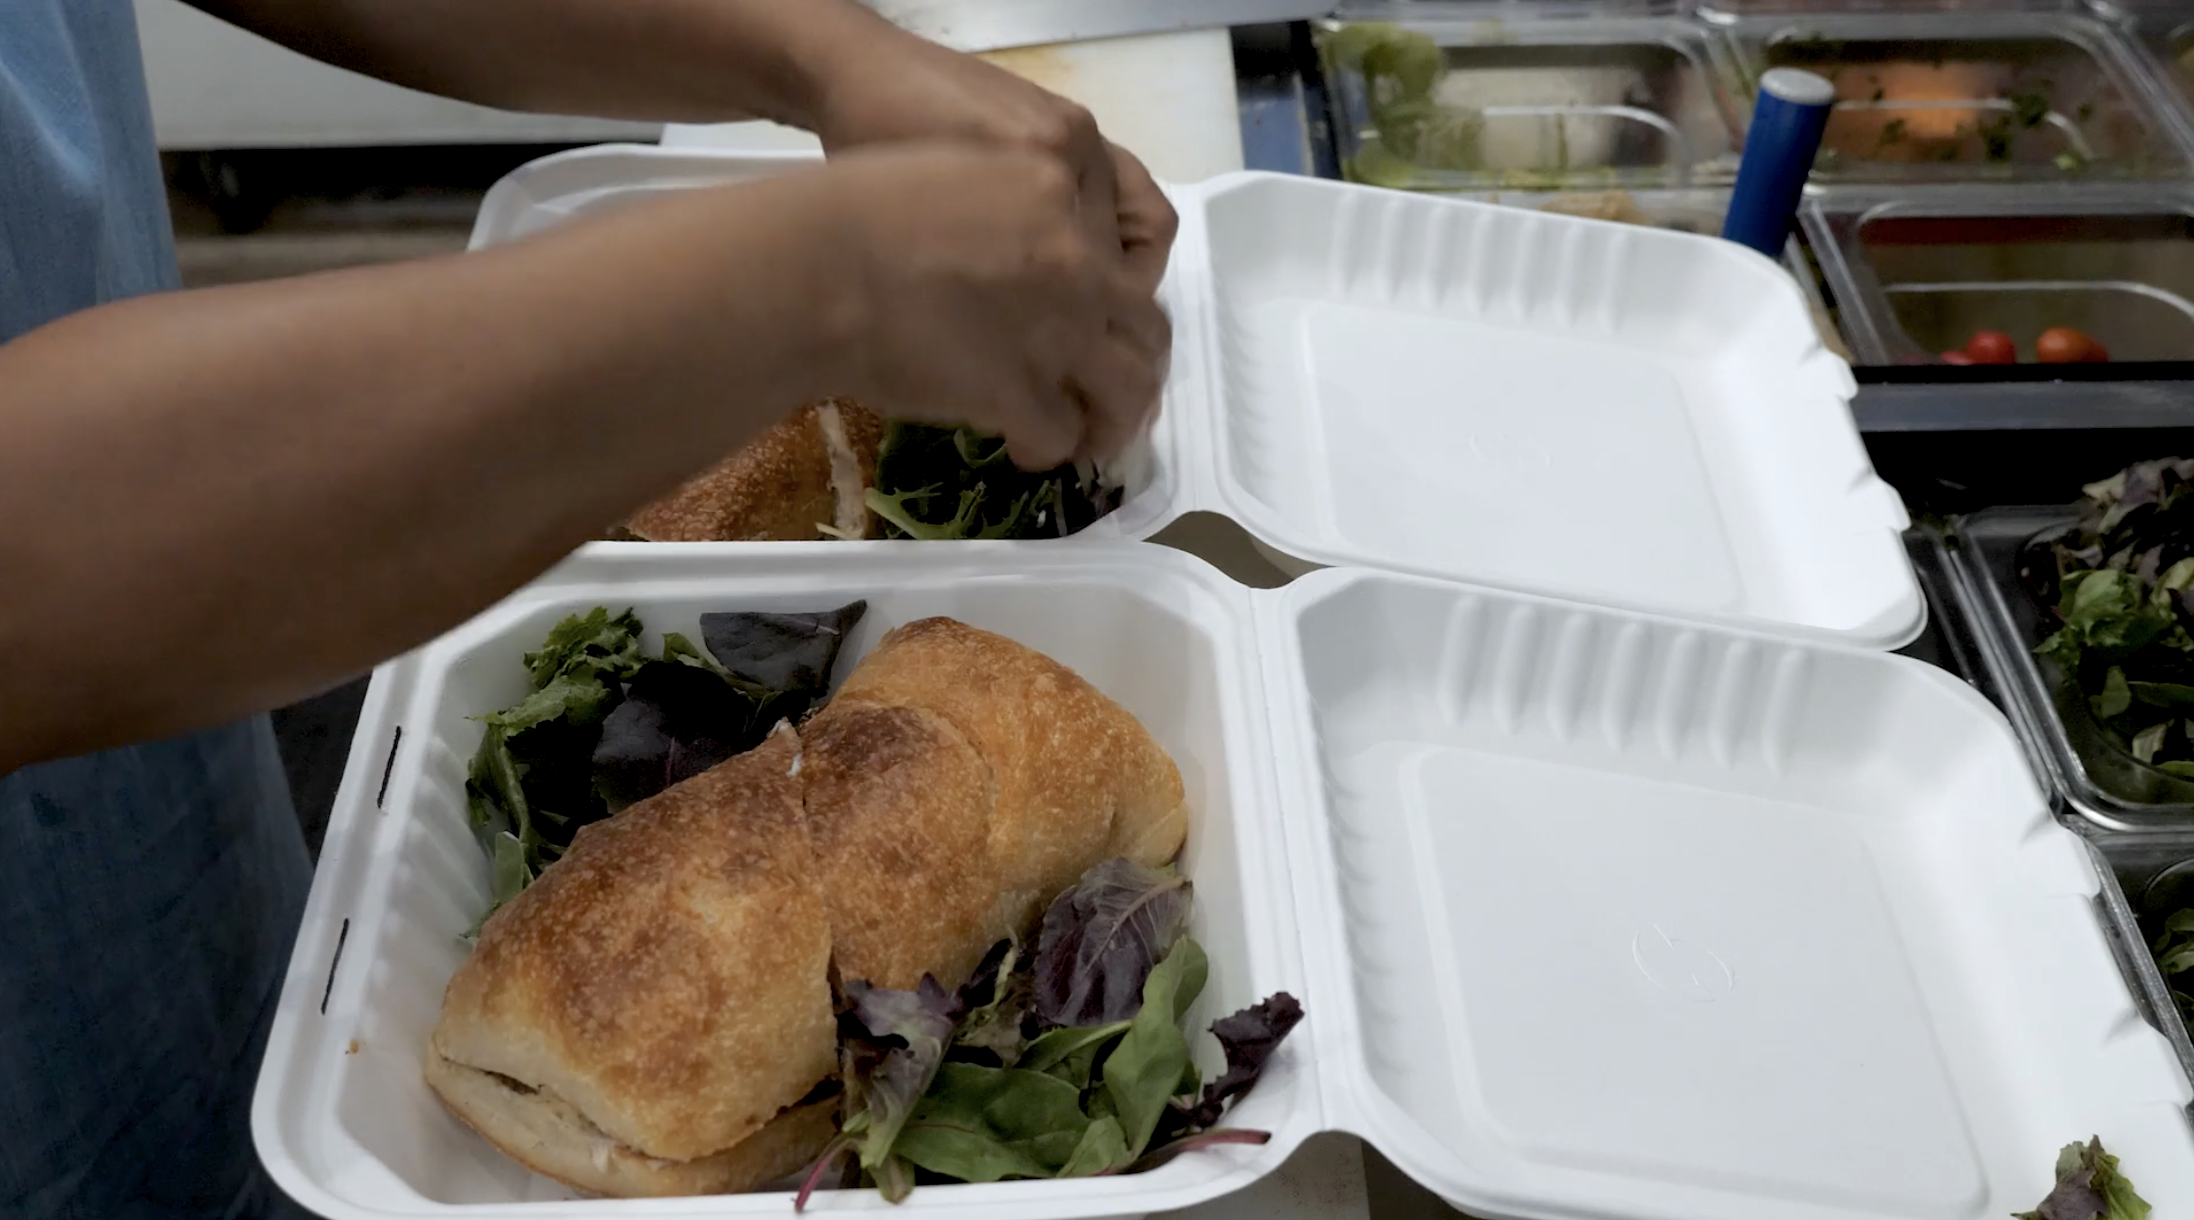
{"x": 1168, "y": 98}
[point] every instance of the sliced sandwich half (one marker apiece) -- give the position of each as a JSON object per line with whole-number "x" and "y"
{"x": 802, "y": 480}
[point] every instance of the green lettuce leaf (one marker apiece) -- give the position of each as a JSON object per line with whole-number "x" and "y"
{"x": 1144, "y": 1072}
{"x": 983, "y": 1124}
{"x": 2089, "y": 1187}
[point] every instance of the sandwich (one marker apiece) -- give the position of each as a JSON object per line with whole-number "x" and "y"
{"x": 657, "y": 1014}
{"x": 804, "y": 479}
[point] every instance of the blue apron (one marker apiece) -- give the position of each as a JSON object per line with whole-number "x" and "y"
{"x": 148, "y": 895}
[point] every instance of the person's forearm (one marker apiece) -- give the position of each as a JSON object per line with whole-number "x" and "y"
{"x": 658, "y": 60}
{"x": 217, "y": 501}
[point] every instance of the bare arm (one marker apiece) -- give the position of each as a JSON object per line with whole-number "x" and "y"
{"x": 218, "y": 501}
{"x": 830, "y": 66}
{"x": 667, "y": 60}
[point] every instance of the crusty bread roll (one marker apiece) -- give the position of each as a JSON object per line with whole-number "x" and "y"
{"x": 1074, "y": 780}
{"x": 899, "y": 808}
{"x": 666, "y": 984}
{"x": 811, "y": 470}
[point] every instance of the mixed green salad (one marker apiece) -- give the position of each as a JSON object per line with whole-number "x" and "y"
{"x": 1067, "y": 1062}
{"x": 2120, "y": 584}
{"x": 954, "y": 483}
{"x": 606, "y": 725}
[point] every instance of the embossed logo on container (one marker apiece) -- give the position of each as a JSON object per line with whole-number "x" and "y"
{"x": 1683, "y": 968}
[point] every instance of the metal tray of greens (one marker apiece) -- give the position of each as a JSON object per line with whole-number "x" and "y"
{"x": 2084, "y": 614}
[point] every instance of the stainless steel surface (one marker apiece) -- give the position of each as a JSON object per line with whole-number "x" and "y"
{"x": 2001, "y": 96}
{"x": 1549, "y": 105}
{"x": 1949, "y": 641}
{"x": 2000, "y": 406}
{"x": 2144, "y": 880}
{"x": 2101, "y": 786}
{"x": 996, "y": 25}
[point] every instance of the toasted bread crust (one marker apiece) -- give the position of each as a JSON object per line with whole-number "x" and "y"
{"x": 549, "y": 1136}
{"x": 808, "y": 471}
{"x": 1079, "y": 780}
{"x": 669, "y": 977}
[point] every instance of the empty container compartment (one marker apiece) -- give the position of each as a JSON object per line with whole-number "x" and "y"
{"x": 1457, "y": 105}
{"x": 1683, "y": 211}
{"x": 1970, "y": 97}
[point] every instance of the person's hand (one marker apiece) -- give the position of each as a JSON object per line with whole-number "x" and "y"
{"x": 894, "y": 88}
{"x": 977, "y": 297}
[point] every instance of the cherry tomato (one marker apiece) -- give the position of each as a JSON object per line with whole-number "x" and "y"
{"x": 2064, "y": 345}
{"x": 1991, "y": 347}
{"x": 1957, "y": 357}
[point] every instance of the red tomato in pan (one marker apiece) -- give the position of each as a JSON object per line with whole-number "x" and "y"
{"x": 2064, "y": 345}
{"x": 1991, "y": 347}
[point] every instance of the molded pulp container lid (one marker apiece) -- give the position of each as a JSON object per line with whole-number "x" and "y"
{"x": 1362, "y": 377}
{"x": 1595, "y": 915}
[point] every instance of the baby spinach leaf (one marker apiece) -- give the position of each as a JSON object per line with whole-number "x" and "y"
{"x": 1102, "y": 1148}
{"x": 1101, "y": 938}
{"x": 2162, "y": 694}
{"x": 1143, "y": 1070}
{"x": 2174, "y": 948}
{"x": 981, "y": 1124}
{"x": 2115, "y": 697}
{"x": 1073, "y": 1047}
{"x": 511, "y": 872}
{"x": 2148, "y": 741}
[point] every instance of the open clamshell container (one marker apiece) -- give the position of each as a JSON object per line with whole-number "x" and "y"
{"x": 1370, "y": 378}
{"x": 1916, "y": 275}
{"x": 1969, "y": 96}
{"x": 1594, "y": 914}
{"x": 1697, "y": 210}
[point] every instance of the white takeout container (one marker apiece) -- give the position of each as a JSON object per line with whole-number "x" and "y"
{"x": 1596, "y": 915}
{"x": 1617, "y": 414}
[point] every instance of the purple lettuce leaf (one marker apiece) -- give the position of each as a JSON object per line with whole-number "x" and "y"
{"x": 1101, "y": 939}
{"x": 893, "y": 1042}
{"x": 781, "y": 652}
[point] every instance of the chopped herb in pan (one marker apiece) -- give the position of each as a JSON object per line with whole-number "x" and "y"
{"x": 2119, "y": 585}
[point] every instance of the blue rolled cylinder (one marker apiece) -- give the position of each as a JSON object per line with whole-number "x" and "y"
{"x": 1787, "y": 122}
